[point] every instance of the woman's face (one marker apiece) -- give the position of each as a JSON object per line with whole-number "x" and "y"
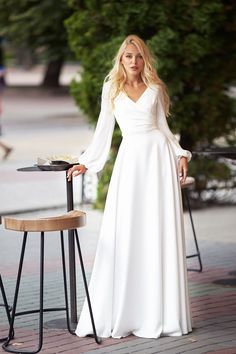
{"x": 132, "y": 60}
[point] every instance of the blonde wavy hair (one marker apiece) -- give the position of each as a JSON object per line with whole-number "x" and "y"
{"x": 117, "y": 76}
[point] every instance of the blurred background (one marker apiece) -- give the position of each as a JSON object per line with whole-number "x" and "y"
{"x": 54, "y": 56}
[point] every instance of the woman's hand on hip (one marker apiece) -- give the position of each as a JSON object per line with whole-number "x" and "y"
{"x": 183, "y": 169}
{"x": 76, "y": 170}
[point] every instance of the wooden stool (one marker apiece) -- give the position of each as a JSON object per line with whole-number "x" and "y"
{"x": 190, "y": 183}
{"x": 4, "y": 297}
{"x": 70, "y": 221}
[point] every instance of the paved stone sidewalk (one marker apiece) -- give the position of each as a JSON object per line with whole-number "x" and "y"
{"x": 213, "y": 306}
{"x": 38, "y": 123}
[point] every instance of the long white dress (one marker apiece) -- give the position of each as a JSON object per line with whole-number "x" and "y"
{"x": 139, "y": 282}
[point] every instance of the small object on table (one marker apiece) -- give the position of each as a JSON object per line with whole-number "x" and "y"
{"x": 56, "y": 167}
{"x": 57, "y": 163}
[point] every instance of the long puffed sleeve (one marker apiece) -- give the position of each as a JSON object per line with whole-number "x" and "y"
{"x": 96, "y": 154}
{"x": 164, "y": 128}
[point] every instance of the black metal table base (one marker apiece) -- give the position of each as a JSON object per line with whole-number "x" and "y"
{"x": 197, "y": 254}
{"x": 7, "y": 344}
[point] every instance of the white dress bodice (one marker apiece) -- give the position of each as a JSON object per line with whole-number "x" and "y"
{"x": 144, "y": 115}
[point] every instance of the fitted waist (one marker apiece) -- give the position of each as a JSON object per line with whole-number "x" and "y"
{"x": 139, "y": 131}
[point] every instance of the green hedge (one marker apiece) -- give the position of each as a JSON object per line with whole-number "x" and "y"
{"x": 195, "y": 46}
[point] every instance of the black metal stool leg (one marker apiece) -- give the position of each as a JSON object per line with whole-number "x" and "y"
{"x": 6, "y": 306}
{"x": 98, "y": 341}
{"x": 5, "y": 303}
{"x": 41, "y": 291}
{"x": 11, "y": 329}
{"x": 65, "y": 284}
{"x": 197, "y": 254}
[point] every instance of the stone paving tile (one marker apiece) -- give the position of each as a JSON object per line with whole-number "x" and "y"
{"x": 224, "y": 351}
{"x": 213, "y": 312}
{"x": 59, "y": 341}
{"x": 207, "y": 314}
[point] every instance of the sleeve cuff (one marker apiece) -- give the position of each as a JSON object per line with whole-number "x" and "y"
{"x": 185, "y": 153}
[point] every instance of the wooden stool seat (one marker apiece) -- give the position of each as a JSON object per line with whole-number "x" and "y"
{"x": 70, "y": 221}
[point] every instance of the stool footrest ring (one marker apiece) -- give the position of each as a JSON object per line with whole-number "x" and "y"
{"x": 193, "y": 255}
{"x": 29, "y": 312}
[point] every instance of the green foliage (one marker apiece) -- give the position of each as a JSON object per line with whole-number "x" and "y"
{"x": 104, "y": 183}
{"x": 195, "y": 46}
{"x": 206, "y": 170}
{"x": 36, "y": 24}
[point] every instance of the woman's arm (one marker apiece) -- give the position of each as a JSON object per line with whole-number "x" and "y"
{"x": 164, "y": 128}
{"x": 96, "y": 154}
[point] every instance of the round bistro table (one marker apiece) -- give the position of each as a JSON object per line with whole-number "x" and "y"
{"x": 71, "y": 239}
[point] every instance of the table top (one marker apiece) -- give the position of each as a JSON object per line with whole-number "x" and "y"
{"x": 29, "y": 169}
{"x": 46, "y": 168}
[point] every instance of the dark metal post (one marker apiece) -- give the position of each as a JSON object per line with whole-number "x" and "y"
{"x": 82, "y": 188}
{"x": 41, "y": 292}
{"x": 198, "y": 255}
{"x": 98, "y": 341}
{"x": 63, "y": 258}
{"x": 71, "y": 250}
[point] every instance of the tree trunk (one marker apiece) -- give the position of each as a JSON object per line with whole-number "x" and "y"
{"x": 52, "y": 73}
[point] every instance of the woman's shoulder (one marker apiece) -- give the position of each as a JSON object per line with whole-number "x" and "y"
{"x": 156, "y": 90}
{"x": 106, "y": 85}
{"x": 155, "y": 87}
{"x": 106, "y": 88}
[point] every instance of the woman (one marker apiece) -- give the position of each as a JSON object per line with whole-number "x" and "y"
{"x": 138, "y": 284}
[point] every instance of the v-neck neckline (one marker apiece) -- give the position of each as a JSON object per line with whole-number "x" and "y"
{"x": 142, "y": 94}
